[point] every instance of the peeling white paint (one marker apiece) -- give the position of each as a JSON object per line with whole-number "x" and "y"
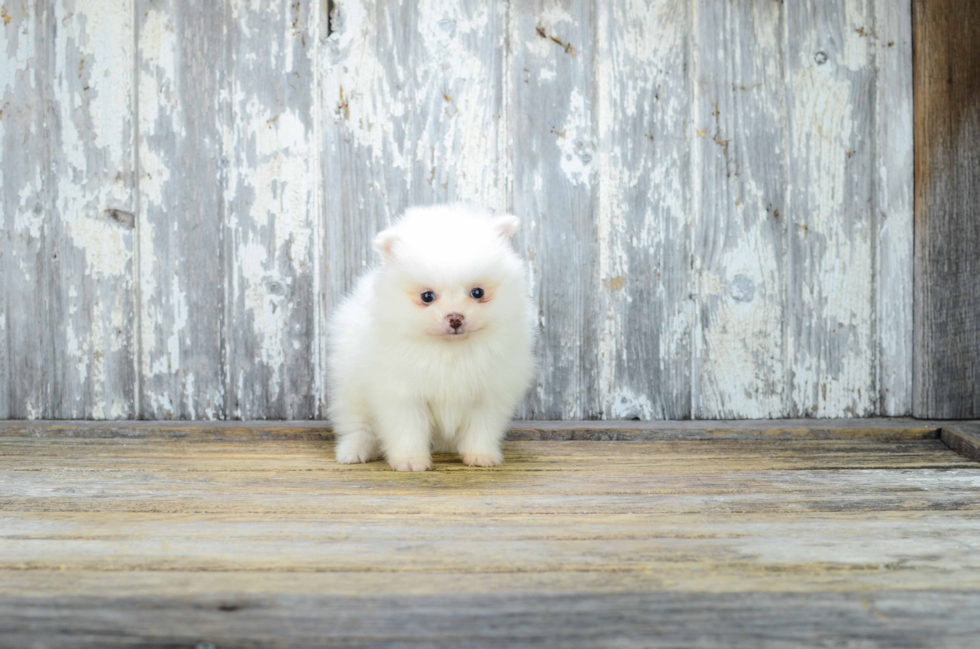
{"x": 26, "y": 218}
{"x": 643, "y": 197}
{"x": 91, "y": 136}
{"x": 739, "y": 368}
{"x": 268, "y": 327}
{"x": 457, "y": 95}
{"x": 271, "y": 209}
{"x": 21, "y": 191}
{"x": 832, "y": 354}
{"x": 107, "y": 247}
{"x": 626, "y": 405}
{"x": 281, "y": 180}
{"x": 158, "y": 64}
{"x": 357, "y": 88}
{"x": 894, "y": 162}
{"x": 575, "y": 141}
{"x": 104, "y": 59}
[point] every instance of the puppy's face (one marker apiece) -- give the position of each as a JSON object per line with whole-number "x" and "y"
{"x": 454, "y": 310}
{"x": 450, "y": 274}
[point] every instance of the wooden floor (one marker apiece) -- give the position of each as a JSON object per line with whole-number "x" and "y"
{"x": 784, "y": 534}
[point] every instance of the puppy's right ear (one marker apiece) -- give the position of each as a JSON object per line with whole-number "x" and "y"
{"x": 384, "y": 243}
{"x": 507, "y": 225}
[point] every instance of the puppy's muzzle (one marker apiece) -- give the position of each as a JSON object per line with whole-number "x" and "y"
{"x": 455, "y": 321}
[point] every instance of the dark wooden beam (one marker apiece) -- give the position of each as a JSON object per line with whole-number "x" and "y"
{"x": 963, "y": 437}
{"x": 946, "y": 81}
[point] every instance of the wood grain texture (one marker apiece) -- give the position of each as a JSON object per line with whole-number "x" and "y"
{"x": 181, "y": 66}
{"x": 628, "y": 620}
{"x": 258, "y": 539}
{"x": 643, "y": 228}
{"x": 741, "y": 150}
{"x": 26, "y": 192}
{"x": 963, "y": 437}
{"x": 893, "y": 210}
{"x": 555, "y": 190}
{"x": 92, "y": 136}
{"x": 270, "y": 202}
{"x": 896, "y": 619}
{"x": 947, "y": 192}
{"x": 831, "y": 271}
{"x": 187, "y": 194}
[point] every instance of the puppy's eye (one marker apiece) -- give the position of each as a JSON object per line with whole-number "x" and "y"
{"x": 476, "y": 293}
{"x": 428, "y": 297}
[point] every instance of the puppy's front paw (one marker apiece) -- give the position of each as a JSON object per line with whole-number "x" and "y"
{"x": 353, "y": 456}
{"x": 483, "y": 459}
{"x": 410, "y": 463}
{"x": 354, "y": 450}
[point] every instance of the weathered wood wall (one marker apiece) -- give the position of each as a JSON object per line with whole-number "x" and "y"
{"x": 717, "y": 196}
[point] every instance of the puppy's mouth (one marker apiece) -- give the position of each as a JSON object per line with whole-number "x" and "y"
{"x": 457, "y": 334}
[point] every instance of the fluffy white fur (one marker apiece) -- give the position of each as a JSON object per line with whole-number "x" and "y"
{"x": 403, "y": 380}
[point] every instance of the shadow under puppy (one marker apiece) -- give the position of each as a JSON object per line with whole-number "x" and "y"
{"x": 433, "y": 349}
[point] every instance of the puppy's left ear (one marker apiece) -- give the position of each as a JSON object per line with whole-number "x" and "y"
{"x": 507, "y": 225}
{"x": 384, "y": 243}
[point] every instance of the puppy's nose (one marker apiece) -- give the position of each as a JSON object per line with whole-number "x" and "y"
{"x": 455, "y": 320}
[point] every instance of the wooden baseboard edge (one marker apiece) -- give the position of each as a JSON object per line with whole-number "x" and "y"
{"x": 962, "y": 437}
{"x": 878, "y": 429}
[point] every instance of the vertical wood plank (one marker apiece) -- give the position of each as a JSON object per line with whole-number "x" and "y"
{"x": 15, "y": 66}
{"x": 831, "y": 265}
{"x": 270, "y": 207}
{"x": 180, "y": 63}
{"x": 555, "y": 190}
{"x": 645, "y": 132}
{"x": 5, "y": 359}
{"x": 363, "y": 101}
{"x": 91, "y": 134}
{"x": 25, "y": 30}
{"x": 947, "y": 218}
{"x": 411, "y": 108}
{"x": 892, "y": 176}
{"x": 739, "y": 250}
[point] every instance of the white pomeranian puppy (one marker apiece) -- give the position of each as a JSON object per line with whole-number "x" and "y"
{"x": 434, "y": 347}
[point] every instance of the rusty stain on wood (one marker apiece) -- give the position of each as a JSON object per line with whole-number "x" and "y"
{"x": 614, "y": 283}
{"x": 554, "y": 39}
{"x": 342, "y": 104}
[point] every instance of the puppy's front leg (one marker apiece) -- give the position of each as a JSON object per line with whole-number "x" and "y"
{"x": 405, "y": 434}
{"x": 481, "y": 434}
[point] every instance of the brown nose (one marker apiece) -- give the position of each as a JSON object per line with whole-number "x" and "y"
{"x": 455, "y": 320}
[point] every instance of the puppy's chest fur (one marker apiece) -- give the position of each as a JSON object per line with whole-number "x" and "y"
{"x": 448, "y": 376}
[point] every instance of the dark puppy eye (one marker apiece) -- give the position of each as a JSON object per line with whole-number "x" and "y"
{"x": 476, "y": 293}
{"x": 428, "y": 296}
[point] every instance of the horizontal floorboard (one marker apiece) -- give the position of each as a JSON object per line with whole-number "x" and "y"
{"x": 892, "y": 620}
